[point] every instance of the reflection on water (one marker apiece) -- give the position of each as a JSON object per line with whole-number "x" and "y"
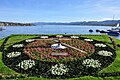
{"x": 51, "y": 29}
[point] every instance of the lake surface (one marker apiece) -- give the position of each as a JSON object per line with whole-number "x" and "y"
{"x": 51, "y": 29}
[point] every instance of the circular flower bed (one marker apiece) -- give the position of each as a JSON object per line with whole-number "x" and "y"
{"x": 13, "y": 54}
{"x": 18, "y": 45}
{"x": 41, "y": 50}
{"x": 91, "y": 63}
{"x": 26, "y": 64}
{"x": 59, "y": 69}
{"x": 36, "y": 57}
{"x": 104, "y": 53}
{"x": 30, "y": 40}
{"x": 100, "y": 45}
{"x": 88, "y": 39}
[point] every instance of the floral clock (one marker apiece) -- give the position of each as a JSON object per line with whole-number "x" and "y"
{"x": 64, "y": 57}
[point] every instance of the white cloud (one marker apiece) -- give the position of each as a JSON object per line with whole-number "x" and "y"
{"x": 108, "y": 6}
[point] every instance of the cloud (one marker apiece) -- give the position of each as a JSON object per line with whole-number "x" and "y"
{"x": 108, "y": 6}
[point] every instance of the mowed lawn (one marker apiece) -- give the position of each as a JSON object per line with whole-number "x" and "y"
{"x": 114, "y": 67}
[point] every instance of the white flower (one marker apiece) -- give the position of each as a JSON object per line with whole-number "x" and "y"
{"x": 88, "y": 39}
{"x": 59, "y": 69}
{"x": 26, "y": 64}
{"x": 91, "y": 63}
{"x": 74, "y": 36}
{"x": 13, "y": 54}
{"x": 100, "y": 45}
{"x": 30, "y": 40}
{"x": 104, "y": 53}
{"x": 18, "y": 45}
{"x": 44, "y": 37}
{"x": 60, "y": 36}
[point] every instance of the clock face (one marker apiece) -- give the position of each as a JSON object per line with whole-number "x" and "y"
{"x": 51, "y": 51}
{"x": 51, "y": 56}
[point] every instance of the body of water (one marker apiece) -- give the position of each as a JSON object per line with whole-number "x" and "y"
{"x": 51, "y": 29}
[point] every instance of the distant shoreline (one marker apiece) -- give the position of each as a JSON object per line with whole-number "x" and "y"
{"x": 84, "y": 23}
{"x": 74, "y": 25}
{"x": 15, "y": 24}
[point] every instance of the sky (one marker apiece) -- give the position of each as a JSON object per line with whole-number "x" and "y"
{"x": 59, "y": 10}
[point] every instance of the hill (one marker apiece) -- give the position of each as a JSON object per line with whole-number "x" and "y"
{"x": 92, "y": 23}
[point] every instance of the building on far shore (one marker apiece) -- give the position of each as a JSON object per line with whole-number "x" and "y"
{"x": 15, "y": 24}
{"x": 1, "y": 24}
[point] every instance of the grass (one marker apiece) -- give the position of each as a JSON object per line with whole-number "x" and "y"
{"x": 1, "y": 41}
{"x": 81, "y": 78}
{"x": 114, "y": 67}
{"x": 17, "y": 38}
{"x": 104, "y": 38}
{"x": 4, "y": 69}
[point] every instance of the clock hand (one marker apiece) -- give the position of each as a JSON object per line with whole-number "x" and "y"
{"x": 73, "y": 48}
{"x": 70, "y": 46}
